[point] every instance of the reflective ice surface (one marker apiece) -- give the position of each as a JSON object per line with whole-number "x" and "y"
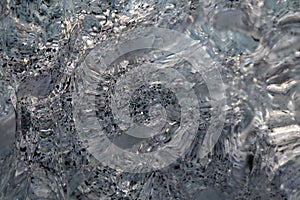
{"x": 150, "y": 99}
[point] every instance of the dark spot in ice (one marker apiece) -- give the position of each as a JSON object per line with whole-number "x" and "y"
{"x": 126, "y": 141}
{"x": 250, "y": 159}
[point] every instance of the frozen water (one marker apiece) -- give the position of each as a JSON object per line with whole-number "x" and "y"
{"x": 150, "y": 99}
{"x": 7, "y": 122}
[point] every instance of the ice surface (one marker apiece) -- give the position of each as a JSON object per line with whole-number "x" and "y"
{"x": 170, "y": 99}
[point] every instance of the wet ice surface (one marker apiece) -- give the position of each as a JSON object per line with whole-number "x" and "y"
{"x": 51, "y": 53}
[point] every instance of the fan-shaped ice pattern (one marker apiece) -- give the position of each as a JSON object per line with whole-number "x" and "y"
{"x": 119, "y": 74}
{"x": 280, "y": 61}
